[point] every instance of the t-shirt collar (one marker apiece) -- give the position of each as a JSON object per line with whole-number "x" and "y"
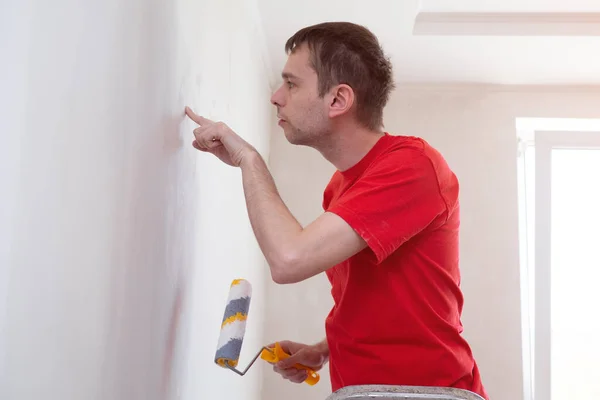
{"x": 358, "y": 168}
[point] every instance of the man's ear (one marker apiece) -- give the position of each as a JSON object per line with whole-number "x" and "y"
{"x": 341, "y": 100}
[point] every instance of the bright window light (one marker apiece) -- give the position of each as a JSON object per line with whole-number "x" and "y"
{"x": 559, "y": 215}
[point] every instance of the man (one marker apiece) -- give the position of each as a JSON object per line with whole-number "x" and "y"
{"x": 388, "y": 237}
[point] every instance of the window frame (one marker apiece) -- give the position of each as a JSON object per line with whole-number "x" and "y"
{"x": 537, "y": 351}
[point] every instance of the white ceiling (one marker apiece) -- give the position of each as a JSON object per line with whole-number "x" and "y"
{"x": 486, "y": 58}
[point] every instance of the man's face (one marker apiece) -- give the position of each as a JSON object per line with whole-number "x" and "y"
{"x": 302, "y": 114}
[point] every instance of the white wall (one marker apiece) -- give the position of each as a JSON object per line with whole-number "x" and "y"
{"x": 118, "y": 240}
{"x": 474, "y": 127}
{"x": 233, "y": 85}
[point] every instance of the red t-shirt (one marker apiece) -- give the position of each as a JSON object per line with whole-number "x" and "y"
{"x": 397, "y": 304}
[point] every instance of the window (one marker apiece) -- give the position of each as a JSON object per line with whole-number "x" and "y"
{"x": 559, "y": 234}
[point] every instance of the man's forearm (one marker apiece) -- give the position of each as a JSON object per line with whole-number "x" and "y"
{"x": 273, "y": 224}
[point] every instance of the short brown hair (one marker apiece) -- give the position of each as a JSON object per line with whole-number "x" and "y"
{"x": 343, "y": 52}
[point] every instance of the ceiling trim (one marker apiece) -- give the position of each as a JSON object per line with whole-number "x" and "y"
{"x": 507, "y": 24}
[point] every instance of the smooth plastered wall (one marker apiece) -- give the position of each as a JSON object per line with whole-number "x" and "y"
{"x": 119, "y": 240}
{"x": 474, "y": 128}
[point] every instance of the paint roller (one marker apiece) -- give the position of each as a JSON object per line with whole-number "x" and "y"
{"x": 233, "y": 328}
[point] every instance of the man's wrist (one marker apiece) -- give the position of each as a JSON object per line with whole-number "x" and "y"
{"x": 323, "y": 348}
{"x": 249, "y": 157}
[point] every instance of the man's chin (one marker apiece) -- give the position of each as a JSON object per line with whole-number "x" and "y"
{"x": 289, "y": 134}
{"x": 295, "y": 137}
{"x": 292, "y": 137}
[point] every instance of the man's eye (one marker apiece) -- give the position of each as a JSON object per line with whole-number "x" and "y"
{"x": 290, "y": 84}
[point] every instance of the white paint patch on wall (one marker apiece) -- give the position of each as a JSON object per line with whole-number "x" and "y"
{"x": 119, "y": 240}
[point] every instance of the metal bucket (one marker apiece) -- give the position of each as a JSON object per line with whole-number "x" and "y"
{"x": 388, "y": 392}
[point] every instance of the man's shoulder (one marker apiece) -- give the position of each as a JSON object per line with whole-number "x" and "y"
{"x": 414, "y": 157}
{"x": 407, "y": 150}
{"x": 400, "y": 152}
{"x": 410, "y": 144}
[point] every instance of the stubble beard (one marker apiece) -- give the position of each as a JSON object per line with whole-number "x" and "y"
{"x": 315, "y": 135}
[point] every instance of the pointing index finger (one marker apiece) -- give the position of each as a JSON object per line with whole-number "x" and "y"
{"x": 196, "y": 118}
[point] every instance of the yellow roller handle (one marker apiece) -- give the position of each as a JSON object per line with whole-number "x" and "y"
{"x": 273, "y": 355}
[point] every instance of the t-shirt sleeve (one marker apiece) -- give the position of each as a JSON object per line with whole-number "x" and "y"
{"x": 395, "y": 199}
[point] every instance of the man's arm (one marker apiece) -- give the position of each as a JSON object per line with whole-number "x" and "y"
{"x": 293, "y": 253}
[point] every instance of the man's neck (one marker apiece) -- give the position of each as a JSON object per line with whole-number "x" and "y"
{"x": 345, "y": 149}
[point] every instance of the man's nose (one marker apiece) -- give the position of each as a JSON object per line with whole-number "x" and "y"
{"x": 277, "y": 98}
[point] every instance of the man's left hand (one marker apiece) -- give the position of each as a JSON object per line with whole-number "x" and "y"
{"x": 217, "y": 138}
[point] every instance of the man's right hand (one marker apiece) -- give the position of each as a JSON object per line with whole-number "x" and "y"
{"x": 312, "y": 356}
